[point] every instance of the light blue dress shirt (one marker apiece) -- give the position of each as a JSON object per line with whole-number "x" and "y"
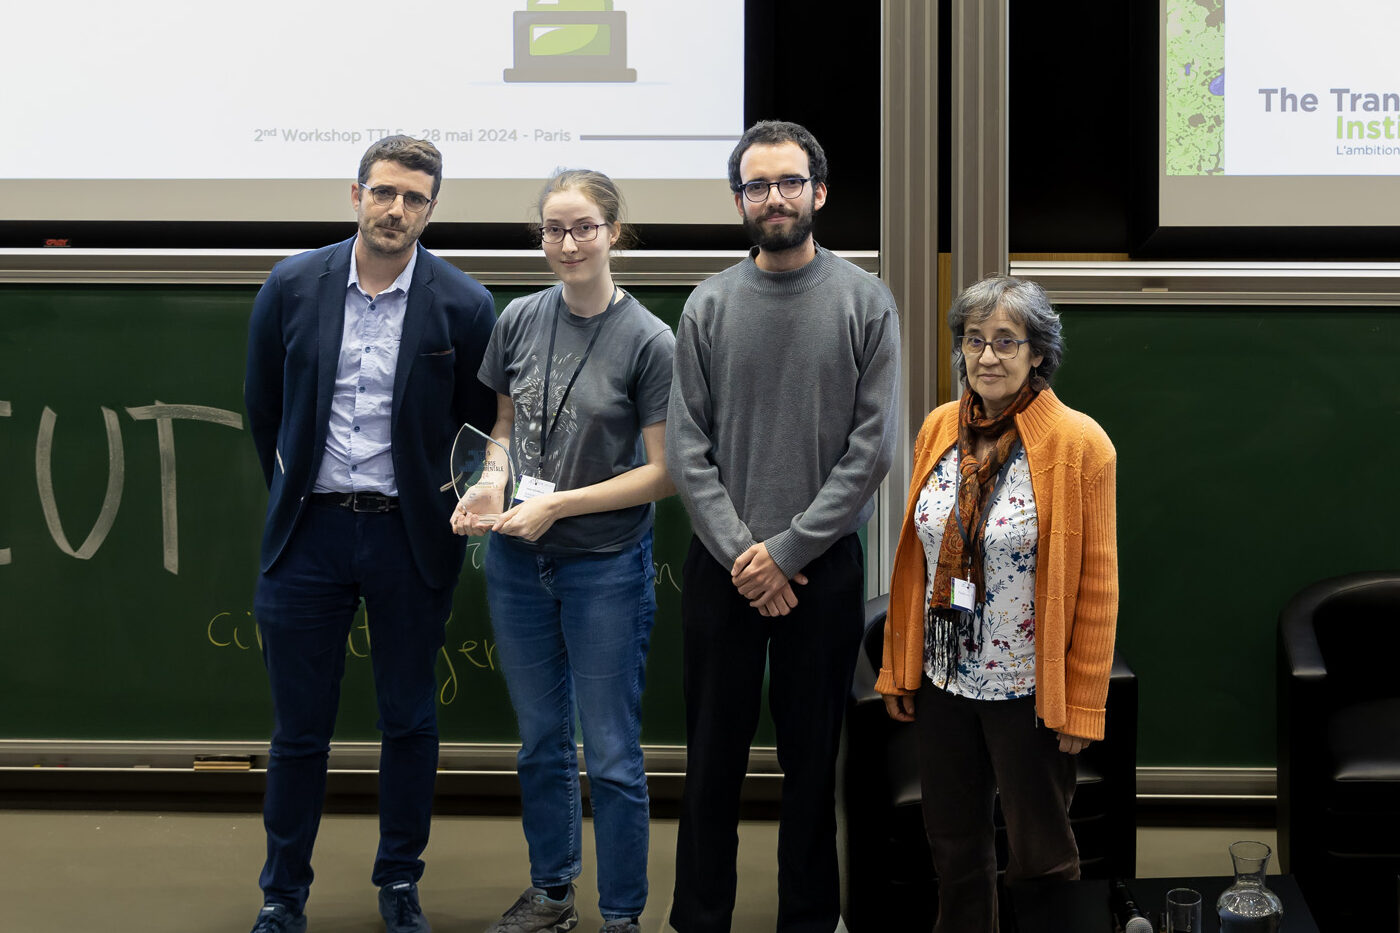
{"x": 358, "y": 456}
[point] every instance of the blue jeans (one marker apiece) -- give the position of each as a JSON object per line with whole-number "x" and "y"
{"x": 573, "y": 631}
{"x": 305, "y": 605}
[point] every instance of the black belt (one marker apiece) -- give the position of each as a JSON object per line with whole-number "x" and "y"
{"x": 357, "y": 501}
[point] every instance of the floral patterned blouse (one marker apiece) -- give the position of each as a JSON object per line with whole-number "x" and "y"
{"x": 998, "y": 661}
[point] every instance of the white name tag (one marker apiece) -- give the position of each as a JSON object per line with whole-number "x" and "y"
{"x": 964, "y": 595}
{"x": 531, "y": 486}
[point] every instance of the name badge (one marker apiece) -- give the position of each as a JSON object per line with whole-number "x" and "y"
{"x": 964, "y": 595}
{"x": 531, "y": 486}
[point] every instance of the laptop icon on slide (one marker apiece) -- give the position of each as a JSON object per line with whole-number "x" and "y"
{"x": 570, "y": 40}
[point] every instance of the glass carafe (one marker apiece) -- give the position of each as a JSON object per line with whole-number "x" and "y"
{"x": 1247, "y": 906}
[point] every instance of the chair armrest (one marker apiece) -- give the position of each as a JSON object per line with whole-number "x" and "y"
{"x": 1121, "y": 670}
{"x": 872, "y": 648}
{"x": 1300, "y": 655}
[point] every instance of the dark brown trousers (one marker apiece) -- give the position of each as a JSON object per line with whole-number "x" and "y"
{"x": 969, "y": 751}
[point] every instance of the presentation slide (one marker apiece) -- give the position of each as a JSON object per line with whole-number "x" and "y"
{"x": 1298, "y": 103}
{"x": 158, "y": 91}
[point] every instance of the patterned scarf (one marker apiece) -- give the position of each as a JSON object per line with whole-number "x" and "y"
{"x": 948, "y": 627}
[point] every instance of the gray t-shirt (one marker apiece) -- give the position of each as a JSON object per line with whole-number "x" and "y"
{"x": 623, "y": 386}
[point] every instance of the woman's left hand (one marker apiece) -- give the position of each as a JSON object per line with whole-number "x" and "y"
{"x": 1073, "y": 744}
{"x": 529, "y": 519}
{"x": 900, "y": 708}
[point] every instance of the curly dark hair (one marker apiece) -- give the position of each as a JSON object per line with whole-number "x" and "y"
{"x": 771, "y": 133}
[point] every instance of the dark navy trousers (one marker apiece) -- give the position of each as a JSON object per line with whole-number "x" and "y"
{"x": 305, "y": 605}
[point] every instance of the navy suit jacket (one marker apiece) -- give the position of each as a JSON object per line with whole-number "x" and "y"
{"x": 294, "y": 340}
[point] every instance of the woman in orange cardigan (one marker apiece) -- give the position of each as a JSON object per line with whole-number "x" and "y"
{"x": 1003, "y": 604}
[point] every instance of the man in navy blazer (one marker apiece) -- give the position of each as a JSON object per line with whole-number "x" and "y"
{"x": 362, "y": 362}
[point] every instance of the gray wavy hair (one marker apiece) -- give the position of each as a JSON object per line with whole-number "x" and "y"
{"x": 1025, "y": 303}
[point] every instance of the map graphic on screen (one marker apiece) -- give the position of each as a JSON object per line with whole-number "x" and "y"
{"x": 1195, "y": 87}
{"x": 1281, "y": 87}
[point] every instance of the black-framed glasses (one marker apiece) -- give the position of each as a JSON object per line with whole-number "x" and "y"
{"x": 582, "y": 233}
{"x": 757, "y": 191}
{"x": 384, "y": 195}
{"x": 1005, "y": 348}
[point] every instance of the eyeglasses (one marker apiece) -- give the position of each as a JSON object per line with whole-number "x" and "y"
{"x": 384, "y": 195}
{"x": 757, "y": 191}
{"x": 582, "y": 233}
{"x": 1005, "y": 348}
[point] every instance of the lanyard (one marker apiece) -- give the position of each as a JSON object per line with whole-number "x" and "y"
{"x": 548, "y": 367}
{"x": 1001, "y": 478}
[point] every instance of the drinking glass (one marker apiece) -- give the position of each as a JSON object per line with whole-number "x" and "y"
{"x": 1183, "y": 911}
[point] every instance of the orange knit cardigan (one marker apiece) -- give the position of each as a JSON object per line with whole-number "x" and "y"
{"x": 1072, "y": 465}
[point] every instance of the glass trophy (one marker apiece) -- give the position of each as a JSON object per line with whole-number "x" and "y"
{"x": 570, "y": 40}
{"x": 482, "y": 473}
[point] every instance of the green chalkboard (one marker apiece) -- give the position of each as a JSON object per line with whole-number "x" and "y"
{"x": 147, "y": 633}
{"x": 1257, "y": 453}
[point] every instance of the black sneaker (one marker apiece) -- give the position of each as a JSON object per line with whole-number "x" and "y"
{"x": 534, "y": 912}
{"x": 398, "y": 905}
{"x": 279, "y": 918}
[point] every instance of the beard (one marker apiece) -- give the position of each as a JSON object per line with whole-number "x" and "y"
{"x": 777, "y": 241}
{"x": 377, "y": 242}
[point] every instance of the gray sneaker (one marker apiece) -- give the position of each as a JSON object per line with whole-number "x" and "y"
{"x": 624, "y": 925}
{"x": 534, "y": 912}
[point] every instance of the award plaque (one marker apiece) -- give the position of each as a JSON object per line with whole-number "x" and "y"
{"x": 482, "y": 470}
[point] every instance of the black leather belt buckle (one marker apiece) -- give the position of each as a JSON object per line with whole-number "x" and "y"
{"x": 371, "y": 502}
{"x": 357, "y": 501}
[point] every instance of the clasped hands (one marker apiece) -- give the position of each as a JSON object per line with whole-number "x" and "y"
{"x": 763, "y": 583}
{"x": 480, "y": 511}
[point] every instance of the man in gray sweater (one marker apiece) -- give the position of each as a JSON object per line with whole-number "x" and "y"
{"x": 780, "y": 428}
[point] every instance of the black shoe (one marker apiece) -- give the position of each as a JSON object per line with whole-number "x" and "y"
{"x": 279, "y": 918}
{"x": 398, "y": 905}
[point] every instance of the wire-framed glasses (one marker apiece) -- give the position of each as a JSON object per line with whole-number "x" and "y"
{"x": 384, "y": 195}
{"x": 1005, "y": 348}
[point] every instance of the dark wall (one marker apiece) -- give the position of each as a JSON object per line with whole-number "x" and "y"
{"x": 1071, "y": 149}
{"x": 824, "y": 58}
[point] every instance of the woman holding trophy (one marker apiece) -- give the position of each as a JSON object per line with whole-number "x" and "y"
{"x": 582, "y": 372}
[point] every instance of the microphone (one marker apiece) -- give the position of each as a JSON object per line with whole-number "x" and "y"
{"x": 1126, "y": 914}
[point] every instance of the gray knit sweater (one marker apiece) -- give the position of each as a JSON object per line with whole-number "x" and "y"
{"x": 782, "y": 416}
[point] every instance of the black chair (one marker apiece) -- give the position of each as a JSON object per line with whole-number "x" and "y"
{"x": 886, "y": 867}
{"x": 1339, "y": 748}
